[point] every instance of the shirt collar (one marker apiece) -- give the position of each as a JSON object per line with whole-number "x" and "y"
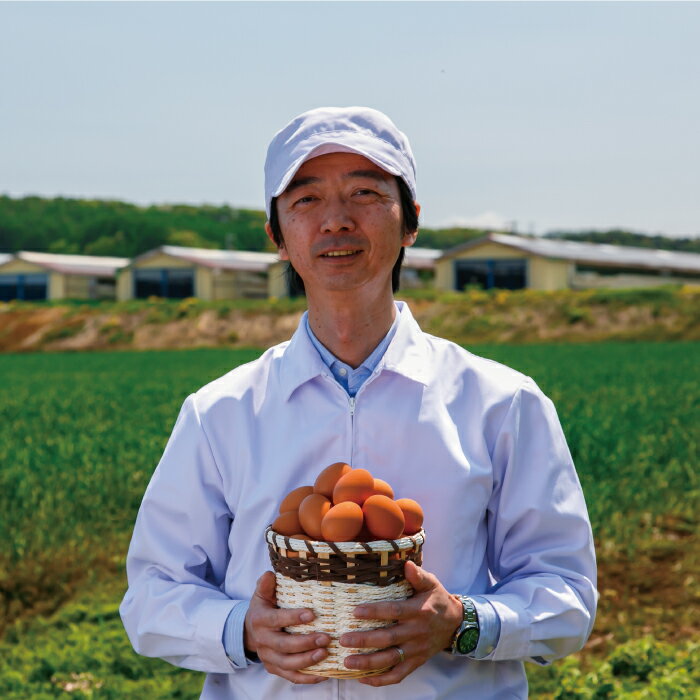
{"x": 370, "y": 362}
{"x": 406, "y": 354}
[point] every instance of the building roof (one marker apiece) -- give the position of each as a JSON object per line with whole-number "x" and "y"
{"x": 421, "y": 258}
{"x": 418, "y": 258}
{"x": 221, "y": 259}
{"x": 88, "y": 265}
{"x": 590, "y": 253}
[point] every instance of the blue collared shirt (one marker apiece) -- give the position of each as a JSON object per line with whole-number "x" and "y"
{"x": 352, "y": 379}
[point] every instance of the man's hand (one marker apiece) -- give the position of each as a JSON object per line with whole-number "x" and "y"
{"x": 282, "y": 653}
{"x": 426, "y": 625}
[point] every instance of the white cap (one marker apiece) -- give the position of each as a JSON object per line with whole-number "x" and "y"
{"x": 331, "y": 129}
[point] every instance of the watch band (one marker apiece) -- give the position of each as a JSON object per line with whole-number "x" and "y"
{"x": 466, "y": 637}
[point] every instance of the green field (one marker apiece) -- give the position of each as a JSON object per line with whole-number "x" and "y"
{"x": 81, "y": 433}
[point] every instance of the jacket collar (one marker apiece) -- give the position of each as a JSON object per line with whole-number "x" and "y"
{"x": 406, "y": 355}
{"x": 301, "y": 361}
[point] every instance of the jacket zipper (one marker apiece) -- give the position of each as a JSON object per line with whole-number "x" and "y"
{"x": 351, "y": 401}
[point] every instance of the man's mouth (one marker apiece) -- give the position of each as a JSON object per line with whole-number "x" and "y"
{"x": 339, "y": 253}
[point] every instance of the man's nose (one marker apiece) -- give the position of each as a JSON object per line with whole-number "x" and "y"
{"x": 337, "y": 216}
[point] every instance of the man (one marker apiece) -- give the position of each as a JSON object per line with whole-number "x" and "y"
{"x": 509, "y": 569}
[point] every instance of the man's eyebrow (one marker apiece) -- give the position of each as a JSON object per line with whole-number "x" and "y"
{"x": 301, "y": 182}
{"x": 296, "y": 183}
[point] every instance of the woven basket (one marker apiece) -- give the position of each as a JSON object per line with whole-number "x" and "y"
{"x": 332, "y": 578}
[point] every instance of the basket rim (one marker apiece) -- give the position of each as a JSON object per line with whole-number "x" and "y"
{"x": 284, "y": 542}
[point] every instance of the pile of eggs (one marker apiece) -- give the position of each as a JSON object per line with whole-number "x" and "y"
{"x": 344, "y": 505}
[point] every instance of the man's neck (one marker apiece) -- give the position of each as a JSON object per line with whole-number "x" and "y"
{"x": 351, "y": 328}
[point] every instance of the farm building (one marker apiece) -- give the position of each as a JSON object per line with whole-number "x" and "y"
{"x": 517, "y": 262}
{"x": 37, "y": 276}
{"x": 178, "y": 272}
{"x": 418, "y": 269}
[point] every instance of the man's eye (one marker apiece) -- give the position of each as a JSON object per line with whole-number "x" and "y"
{"x": 364, "y": 191}
{"x": 305, "y": 199}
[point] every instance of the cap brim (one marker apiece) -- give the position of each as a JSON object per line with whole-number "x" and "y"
{"x": 323, "y": 149}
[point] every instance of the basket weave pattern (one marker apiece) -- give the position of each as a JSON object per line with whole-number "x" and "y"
{"x": 332, "y": 578}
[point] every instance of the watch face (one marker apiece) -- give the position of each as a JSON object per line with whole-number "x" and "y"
{"x": 468, "y": 640}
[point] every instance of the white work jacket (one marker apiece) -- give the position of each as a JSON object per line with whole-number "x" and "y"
{"x": 476, "y": 443}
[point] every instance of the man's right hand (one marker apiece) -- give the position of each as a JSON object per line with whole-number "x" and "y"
{"x": 282, "y": 653}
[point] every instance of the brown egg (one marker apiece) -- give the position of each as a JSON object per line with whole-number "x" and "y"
{"x": 342, "y": 522}
{"x": 412, "y": 513}
{"x": 357, "y": 486}
{"x": 294, "y": 498}
{"x": 311, "y": 512}
{"x": 383, "y": 516}
{"x": 382, "y": 488}
{"x": 328, "y": 478}
{"x": 287, "y": 523}
{"x": 365, "y": 535}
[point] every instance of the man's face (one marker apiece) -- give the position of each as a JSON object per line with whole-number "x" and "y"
{"x": 342, "y": 224}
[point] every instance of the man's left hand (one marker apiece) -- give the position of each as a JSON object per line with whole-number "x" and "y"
{"x": 425, "y": 626}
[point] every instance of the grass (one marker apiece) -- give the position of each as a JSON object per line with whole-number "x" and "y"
{"x": 82, "y": 650}
{"x": 80, "y": 434}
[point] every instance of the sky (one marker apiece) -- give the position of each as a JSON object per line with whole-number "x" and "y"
{"x": 533, "y": 116}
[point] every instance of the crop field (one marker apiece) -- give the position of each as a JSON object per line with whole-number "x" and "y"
{"x": 80, "y": 434}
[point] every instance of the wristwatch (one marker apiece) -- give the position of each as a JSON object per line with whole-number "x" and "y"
{"x": 467, "y": 635}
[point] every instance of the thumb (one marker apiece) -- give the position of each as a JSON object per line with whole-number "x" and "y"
{"x": 418, "y": 577}
{"x": 266, "y": 588}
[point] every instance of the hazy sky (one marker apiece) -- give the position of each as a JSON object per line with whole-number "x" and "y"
{"x": 554, "y": 115}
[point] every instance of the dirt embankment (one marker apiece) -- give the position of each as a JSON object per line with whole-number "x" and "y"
{"x": 472, "y": 317}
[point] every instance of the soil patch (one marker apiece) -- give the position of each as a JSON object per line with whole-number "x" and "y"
{"x": 524, "y": 316}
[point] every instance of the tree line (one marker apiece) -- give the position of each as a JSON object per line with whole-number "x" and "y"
{"x": 106, "y": 227}
{"x": 102, "y": 227}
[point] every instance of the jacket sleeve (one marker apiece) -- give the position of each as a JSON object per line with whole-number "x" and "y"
{"x": 540, "y": 547}
{"x": 174, "y": 607}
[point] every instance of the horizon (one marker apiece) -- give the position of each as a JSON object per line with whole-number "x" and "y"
{"x": 261, "y": 210}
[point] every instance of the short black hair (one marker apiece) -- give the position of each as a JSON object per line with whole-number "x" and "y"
{"x": 410, "y": 224}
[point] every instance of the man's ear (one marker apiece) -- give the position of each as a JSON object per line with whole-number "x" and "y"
{"x": 409, "y": 238}
{"x": 280, "y": 248}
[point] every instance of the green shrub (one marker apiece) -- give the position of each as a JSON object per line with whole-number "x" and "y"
{"x": 66, "y": 330}
{"x": 641, "y": 669}
{"x": 639, "y": 658}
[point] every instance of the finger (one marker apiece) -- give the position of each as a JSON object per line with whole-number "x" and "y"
{"x": 394, "y": 635}
{"x": 285, "y": 643}
{"x": 390, "y": 610}
{"x": 387, "y": 658}
{"x": 276, "y": 618}
{"x": 293, "y": 662}
{"x": 420, "y": 579}
{"x": 266, "y": 588}
{"x": 395, "y": 675}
